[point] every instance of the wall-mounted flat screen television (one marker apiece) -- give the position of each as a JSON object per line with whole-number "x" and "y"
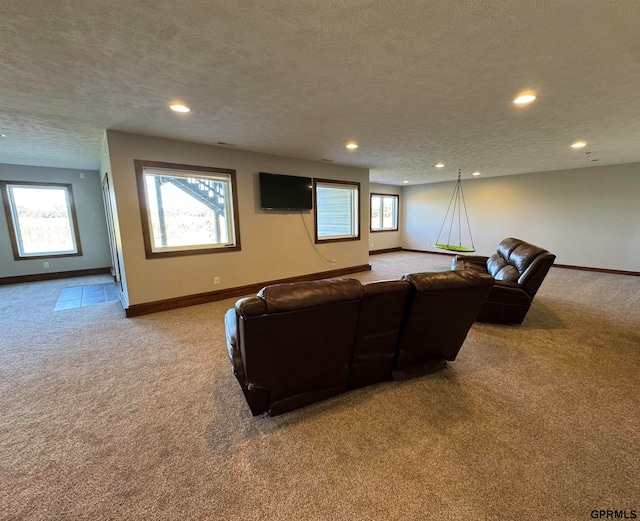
{"x": 285, "y": 192}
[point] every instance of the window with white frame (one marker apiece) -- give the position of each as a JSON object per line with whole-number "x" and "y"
{"x": 187, "y": 210}
{"x": 42, "y": 219}
{"x": 384, "y": 212}
{"x": 337, "y": 210}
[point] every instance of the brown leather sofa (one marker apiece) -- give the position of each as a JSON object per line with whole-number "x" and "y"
{"x": 442, "y": 309}
{"x": 518, "y": 269}
{"x": 295, "y": 344}
{"x": 291, "y": 344}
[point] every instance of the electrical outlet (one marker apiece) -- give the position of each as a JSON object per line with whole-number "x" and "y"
{"x": 428, "y": 244}
{"x": 45, "y": 264}
{"x": 81, "y": 175}
{"x": 216, "y": 280}
{"x": 333, "y": 262}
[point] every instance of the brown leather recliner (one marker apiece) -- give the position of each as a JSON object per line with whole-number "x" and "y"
{"x": 519, "y": 269}
{"x": 381, "y": 315}
{"x": 295, "y": 344}
{"x": 442, "y": 308}
{"x": 291, "y": 345}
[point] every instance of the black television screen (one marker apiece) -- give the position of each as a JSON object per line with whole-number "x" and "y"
{"x": 285, "y": 192}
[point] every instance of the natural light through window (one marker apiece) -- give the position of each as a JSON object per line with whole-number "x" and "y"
{"x": 384, "y": 212}
{"x": 187, "y": 211}
{"x": 42, "y": 218}
{"x": 337, "y": 208}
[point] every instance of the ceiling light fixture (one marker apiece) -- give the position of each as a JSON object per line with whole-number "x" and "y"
{"x": 579, "y": 144}
{"x": 439, "y": 165}
{"x": 352, "y": 145}
{"x": 179, "y": 107}
{"x": 406, "y": 182}
{"x": 476, "y": 173}
{"x": 3, "y": 135}
{"x": 524, "y": 99}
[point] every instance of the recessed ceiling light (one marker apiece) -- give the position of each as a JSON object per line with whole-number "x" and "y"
{"x": 524, "y": 99}
{"x": 179, "y": 107}
{"x": 476, "y": 173}
{"x": 405, "y": 182}
{"x": 352, "y": 145}
{"x": 439, "y": 165}
{"x": 579, "y": 144}
{"x": 3, "y": 135}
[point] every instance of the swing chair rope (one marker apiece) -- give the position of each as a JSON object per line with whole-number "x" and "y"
{"x": 455, "y": 200}
{"x": 473, "y": 246}
{"x": 456, "y": 203}
{"x": 445, "y": 217}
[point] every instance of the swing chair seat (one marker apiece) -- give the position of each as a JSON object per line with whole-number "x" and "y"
{"x": 453, "y": 247}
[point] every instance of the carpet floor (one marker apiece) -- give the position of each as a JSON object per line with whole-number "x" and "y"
{"x": 108, "y": 418}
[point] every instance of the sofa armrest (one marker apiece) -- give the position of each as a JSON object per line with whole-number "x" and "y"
{"x": 480, "y": 259}
{"x": 470, "y": 262}
{"x": 465, "y": 261}
{"x": 509, "y": 292}
{"x": 233, "y": 349}
{"x": 250, "y": 307}
{"x": 533, "y": 276}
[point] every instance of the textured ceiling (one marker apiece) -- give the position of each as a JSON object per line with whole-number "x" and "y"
{"x": 413, "y": 82}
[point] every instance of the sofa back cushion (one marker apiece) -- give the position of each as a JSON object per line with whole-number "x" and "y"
{"x": 381, "y": 315}
{"x": 507, "y": 246}
{"x": 301, "y": 295}
{"x": 299, "y": 351}
{"x": 499, "y": 269}
{"x": 442, "y": 309}
{"x": 523, "y": 255}
{"x": 515, "y": 252}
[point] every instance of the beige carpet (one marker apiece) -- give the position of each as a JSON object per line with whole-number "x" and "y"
{"x": 106, "y": 418}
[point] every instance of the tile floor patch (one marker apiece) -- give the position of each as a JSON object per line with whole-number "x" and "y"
{"x": 79, "y": 296}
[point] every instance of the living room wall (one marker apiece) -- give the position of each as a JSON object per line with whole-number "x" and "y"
{"x": 588, "y": 217}
{"x": 87, "y": 194}
{"x": 275, "y": 245}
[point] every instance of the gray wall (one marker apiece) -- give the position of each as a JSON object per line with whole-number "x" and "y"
{"x": 274, "y": 245}
{"x": 385, "y": 240}
{"x": 588, "y": 217}
{"x": 89, "y": 204}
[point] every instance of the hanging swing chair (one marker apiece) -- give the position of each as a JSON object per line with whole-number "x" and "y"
{"x": 457, "y": 199}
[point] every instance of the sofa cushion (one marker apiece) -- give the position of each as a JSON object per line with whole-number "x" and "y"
{"x": 447, "y": 280}
{"x": 508, "y": 273}
{"x": 280, "y": 298}
{"x": 522, "y": 256}
{"x": 506, "y": 247}
{"x": 494, "y": 264}
{"x": 381, "y": 314}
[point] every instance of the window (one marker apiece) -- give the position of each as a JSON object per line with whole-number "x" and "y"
{"x": 187, "y": 210}
{"x": 337, "y": 207}
{"x": 42, "y": 219}
{"x": 384, "y": 212}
